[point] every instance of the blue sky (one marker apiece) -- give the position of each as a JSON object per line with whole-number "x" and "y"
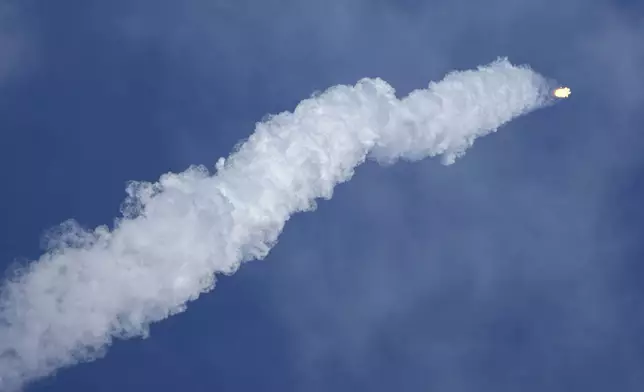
{"x": 517, "y": 268}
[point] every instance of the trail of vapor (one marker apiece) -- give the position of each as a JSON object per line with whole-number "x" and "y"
{"x": 176, "y": 234}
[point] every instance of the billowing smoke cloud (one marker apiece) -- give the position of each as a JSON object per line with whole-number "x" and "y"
{"x": 175, "y": 235}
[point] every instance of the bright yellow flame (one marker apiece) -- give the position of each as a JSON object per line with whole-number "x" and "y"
{"x": 562, "y": 92}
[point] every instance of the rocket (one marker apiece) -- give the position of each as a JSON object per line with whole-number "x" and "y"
{"x": 561, "y": 92}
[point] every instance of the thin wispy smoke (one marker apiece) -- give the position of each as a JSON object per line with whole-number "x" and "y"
{"x": 14, "y": 43}
{"x": 176, "y": 234}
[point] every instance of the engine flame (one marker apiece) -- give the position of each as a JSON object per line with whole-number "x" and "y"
{"x": 561, "y": 92}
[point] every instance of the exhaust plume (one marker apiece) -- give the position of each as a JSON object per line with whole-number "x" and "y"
{"x": 95, "y": 285}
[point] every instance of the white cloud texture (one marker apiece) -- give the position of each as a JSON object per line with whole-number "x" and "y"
{"x": 178, "y": 233}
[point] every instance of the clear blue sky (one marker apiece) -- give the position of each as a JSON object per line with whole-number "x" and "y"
{"x": 519, "y": 268}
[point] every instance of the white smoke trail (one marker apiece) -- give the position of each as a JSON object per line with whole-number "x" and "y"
{"x": 176, "y": 234}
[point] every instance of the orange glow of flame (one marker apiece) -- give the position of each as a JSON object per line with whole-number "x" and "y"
{"x": 561, "y": 92}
